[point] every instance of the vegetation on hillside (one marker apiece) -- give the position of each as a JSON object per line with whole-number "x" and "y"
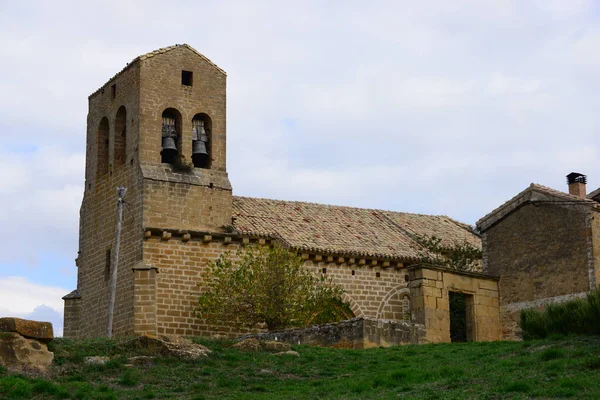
{"x": 577, "y": 316}
{"x": 556, "y": 368}
{"x": 269, "y": 285}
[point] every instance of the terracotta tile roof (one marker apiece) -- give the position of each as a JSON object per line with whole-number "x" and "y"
{"x": 156, "y": 52}
{"x": 534, "y": 193}
{"x": 345, "y": 230}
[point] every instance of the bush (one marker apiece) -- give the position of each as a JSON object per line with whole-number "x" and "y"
{"x": 269, "y": 285}
{"x": 578, "y": 316}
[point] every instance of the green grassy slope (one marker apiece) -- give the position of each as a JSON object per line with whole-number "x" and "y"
{"x": 557, "y": 368}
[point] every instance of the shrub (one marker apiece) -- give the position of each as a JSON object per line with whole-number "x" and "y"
{"x": 269, "y": 285}
{"x": 578, "y": 316}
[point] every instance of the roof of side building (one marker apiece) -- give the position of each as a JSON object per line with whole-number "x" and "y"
{"x": 534, "y": 193}
{"x": 346, "y": 230}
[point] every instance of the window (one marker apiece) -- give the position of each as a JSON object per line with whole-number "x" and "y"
{"x": 113, "y": 91}
{"x": 102, "y": 148}
{"x": 121, "y": 137}
{"x": 171, "y": 122}
{"x": 187, "y": 78}
{"x": 201, "y": 132}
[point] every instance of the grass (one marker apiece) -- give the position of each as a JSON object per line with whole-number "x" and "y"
{"x": 574, "y": 317}
{"x": 565, "y": 367}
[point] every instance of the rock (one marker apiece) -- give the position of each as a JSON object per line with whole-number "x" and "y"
{"x": 96, "y": 360}
{"x": 168, "y": 347}
{"x": 18, "y": 352}
{"x": 248, "y": 345}
{"x": 41, "y": 331}
{"x": 140, "y": 360}
{"x": 272, "y": 345}
{"x": 266, "y": 372}
{"x": 287, "y": 353}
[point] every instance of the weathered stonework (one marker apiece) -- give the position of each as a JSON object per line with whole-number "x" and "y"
{"x": 544, "y": 246}
{"x": 430, "y": 290}
{"x": 176, "y": 222}
{"x": 357, "y": 333}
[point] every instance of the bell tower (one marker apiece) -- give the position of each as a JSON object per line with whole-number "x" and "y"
{"x": 158, "y": 127}
{"x": 182, "y": 109}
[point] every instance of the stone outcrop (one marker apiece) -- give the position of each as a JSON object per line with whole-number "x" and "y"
{"x": 252, "y": 344}
{"x": 168, "y": 346}
{"x": 23, "y": 344}
{"x": 41, "y": 331}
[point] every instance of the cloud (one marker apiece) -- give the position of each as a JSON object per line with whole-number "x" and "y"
{"x": 19, "y": 297}
{"x": 450, "y": 109}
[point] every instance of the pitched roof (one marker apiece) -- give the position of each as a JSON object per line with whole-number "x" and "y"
{"x": 161, "y": 51}
{"x": 345, "y": 230}
{"x": 534, "y": 193}
{"x": 594, "y": 195}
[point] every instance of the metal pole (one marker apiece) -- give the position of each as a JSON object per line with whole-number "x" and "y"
{"x": 112, "y": 287}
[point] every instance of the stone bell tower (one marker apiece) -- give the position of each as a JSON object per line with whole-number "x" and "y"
{"x": 158, "y": 127}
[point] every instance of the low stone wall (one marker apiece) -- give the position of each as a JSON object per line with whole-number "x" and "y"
{"x": 356, "y": 333}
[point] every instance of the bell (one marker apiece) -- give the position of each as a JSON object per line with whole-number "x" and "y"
{"x": 199, "y": 154}
{"x": 199, "y": 147}
{"x": 169, "y": 149}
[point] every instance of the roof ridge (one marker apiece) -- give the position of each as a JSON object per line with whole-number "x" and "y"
{"x": 557, "y": 192}
{"x": 531, "y": 188}
{"x": 345, "y": 207}
{"x": 153, "y": 53}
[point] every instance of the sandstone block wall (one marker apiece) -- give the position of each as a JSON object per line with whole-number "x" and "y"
{"x": 98, "y": 209}
{"x": 371, "y": 291}
{"x": 415, "y": 296}
{"x": 550, "y": 259}
{"x": 124, "y": 141}
{"x": 71, "y": 318}
{"x": 430, "y": 291}
{"x": 161, "y": 88}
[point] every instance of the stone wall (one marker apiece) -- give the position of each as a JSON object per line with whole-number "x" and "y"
{"x": 550, "y": 258}
{"x": 372, "y": 291}
{"x": 161, "y": 88}
{"x": 357, "y": 333}
{"x": 131, "y": 105}
{"x": 430, "y": 292}
{"x": 98, "y": 209}
{"x": 72, "y": 314}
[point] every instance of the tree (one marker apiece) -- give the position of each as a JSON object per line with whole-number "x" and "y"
{"x": 269, "y": 285}
{"x": 461, "y": 256}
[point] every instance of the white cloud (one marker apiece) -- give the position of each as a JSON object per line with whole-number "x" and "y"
{"x": 450, "y": 109}
{"x": 21, "y": 298}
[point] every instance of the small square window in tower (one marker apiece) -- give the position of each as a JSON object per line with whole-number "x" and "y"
{"x": 187, "y": 78}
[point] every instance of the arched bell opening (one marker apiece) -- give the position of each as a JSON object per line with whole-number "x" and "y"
{"x": 102, "y": 148}
{"x": 201, "y": 140}
{"x": 121, "y": 136}
{"x": 171, "y": 142}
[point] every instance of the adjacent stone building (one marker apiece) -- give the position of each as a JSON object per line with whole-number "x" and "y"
{"x": 544, "y": 246}
{"x": 158, "y": 127}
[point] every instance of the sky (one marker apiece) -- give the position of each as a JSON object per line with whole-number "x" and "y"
{"x": 431, "y": 107}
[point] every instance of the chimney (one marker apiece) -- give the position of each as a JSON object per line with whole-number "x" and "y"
{"x": 577, "y": 183}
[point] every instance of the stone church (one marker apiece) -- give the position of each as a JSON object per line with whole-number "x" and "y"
{"x": 158, "y": 128}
